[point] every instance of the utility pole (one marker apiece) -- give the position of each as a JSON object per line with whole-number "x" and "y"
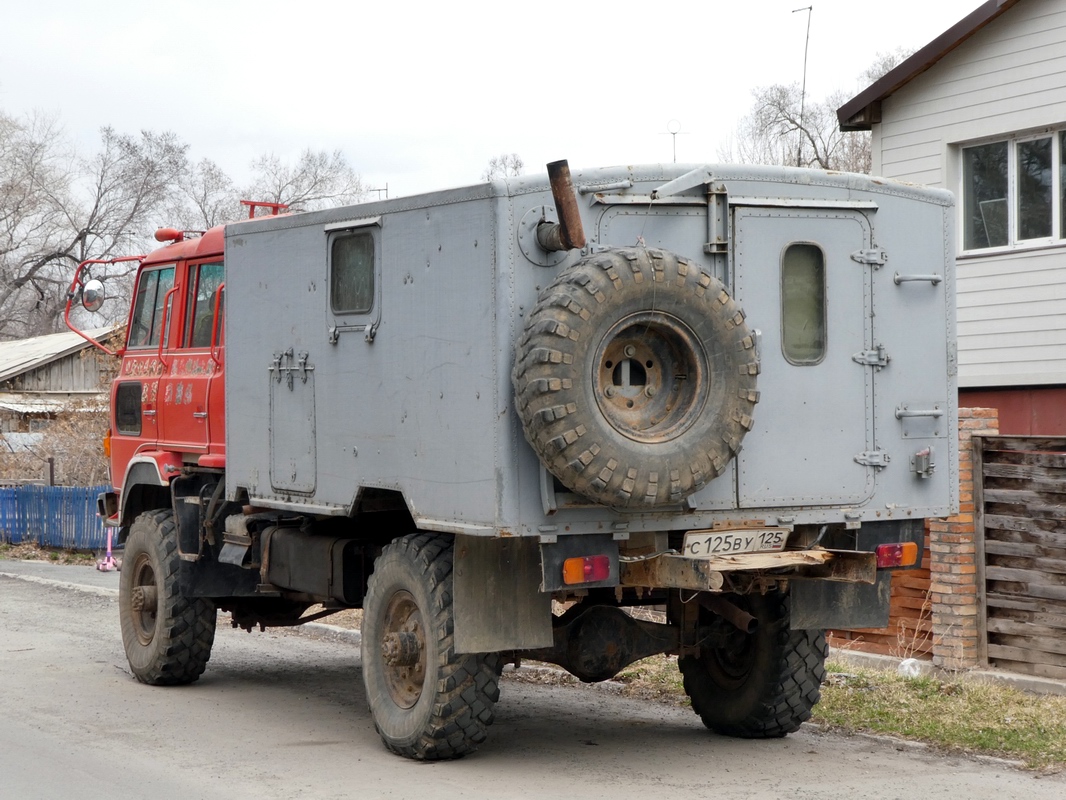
{"x": 803, "y": 90}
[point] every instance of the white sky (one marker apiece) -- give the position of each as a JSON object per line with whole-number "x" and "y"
{"x": 420, "y": 95}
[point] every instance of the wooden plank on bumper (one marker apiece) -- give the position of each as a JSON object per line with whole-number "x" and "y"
{"x": 669, "y": 570}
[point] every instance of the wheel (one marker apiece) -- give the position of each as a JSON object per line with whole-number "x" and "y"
{"x": 167, "y": 636}
{"x": 758, "y": 685}
{"x": 427, "y": 701}
{"x": 635, "y": 378}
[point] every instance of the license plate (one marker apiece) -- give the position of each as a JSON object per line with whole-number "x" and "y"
{"x": 708, "y": 544}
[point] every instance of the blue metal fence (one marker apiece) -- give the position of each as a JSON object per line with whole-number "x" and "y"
{"x": 52, "y": 516}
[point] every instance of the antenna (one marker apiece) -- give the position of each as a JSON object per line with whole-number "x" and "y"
{"x": 673, "y": 127}
{"x": 379, "y": 191}
{"x": 803, "y": 91}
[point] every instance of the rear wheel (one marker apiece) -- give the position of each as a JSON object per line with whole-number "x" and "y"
{"x": 167, "y": 636}
{"x": 427, "y": 701}
{"x": 758, "y": 685}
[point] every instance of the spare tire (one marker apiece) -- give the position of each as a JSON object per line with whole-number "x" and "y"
{"x": 635, "y": 377}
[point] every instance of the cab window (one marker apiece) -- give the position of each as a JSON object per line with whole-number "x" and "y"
{"x": 205, "y": 292}
{"x": 147, "y": 322}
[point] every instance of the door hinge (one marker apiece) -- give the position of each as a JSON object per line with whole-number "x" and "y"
{"x": 875, "y": 257}
{"x": 878, "y": 357}
{"x": 873, "y": 458}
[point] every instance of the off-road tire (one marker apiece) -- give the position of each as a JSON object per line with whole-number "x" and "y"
{"x": 763, "y": 685}
{"x": 172, "y": 644}
{"x": 597, "y": 386}
{"x": 442, "y": 706}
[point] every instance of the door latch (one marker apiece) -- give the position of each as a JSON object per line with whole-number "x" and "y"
{"x": 878, "y": 357}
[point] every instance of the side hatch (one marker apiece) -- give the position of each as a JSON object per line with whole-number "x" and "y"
{"x": 799, "y": 285}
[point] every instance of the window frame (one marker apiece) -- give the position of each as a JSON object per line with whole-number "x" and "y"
{"x": 824, "y": 306}
{"x": 158, "y": 309}
{"x": 1013, "y": 223}
{"x": 347, "y": 321}
{"x": 334, "y": 239}
{"x": 192, "y": 289}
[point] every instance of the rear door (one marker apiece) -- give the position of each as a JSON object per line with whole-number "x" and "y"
{"x": 796, "y": 279}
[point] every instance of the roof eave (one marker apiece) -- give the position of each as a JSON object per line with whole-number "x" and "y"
{"x": 864, "y": 110}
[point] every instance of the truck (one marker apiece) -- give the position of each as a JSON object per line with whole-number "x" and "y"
{"x": 580, "y": 418}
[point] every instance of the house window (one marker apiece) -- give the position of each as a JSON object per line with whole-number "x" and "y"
{"x": 803, "y": 304}
{"x": 1012, "y": 192}
{"x": 985, "y": 195}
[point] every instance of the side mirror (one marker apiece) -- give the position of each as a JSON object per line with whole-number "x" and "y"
{"x": 92, "y": 295}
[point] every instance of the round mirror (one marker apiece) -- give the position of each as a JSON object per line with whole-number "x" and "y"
{"x": 92, "y": 295}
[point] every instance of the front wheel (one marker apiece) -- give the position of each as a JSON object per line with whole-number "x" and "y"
{"x": 167, "y": 636}
{"x": 428, "y": 702}
{"x": 758, "y": 685}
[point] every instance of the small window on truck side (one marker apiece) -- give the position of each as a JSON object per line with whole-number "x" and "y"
{"x": 803, "y": 312}
{"x": 128, "y": 408}
{"x": 351, "y": 272}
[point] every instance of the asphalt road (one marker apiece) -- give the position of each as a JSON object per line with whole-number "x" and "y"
{"x": 283, "y": 714}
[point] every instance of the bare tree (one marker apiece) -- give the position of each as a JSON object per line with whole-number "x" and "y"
{"x": 317, "y": 180}
{"x": 33, "y": 172}
{"x": 505, "y": 165}
{"x": 785, "y": 128}
{"x": 777, "y": 132}
{"x": 57, "y": 210}
{"x": 207, "y": 197}
{"x": 883, "y": 63}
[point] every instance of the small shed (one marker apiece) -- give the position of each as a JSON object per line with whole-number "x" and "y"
{"x": 44, "y": 376}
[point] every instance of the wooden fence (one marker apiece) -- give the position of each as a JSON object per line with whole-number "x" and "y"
{"x": 1020, "y": 502}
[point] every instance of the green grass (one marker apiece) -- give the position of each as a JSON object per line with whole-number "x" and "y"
{"x": 947, "y": 711}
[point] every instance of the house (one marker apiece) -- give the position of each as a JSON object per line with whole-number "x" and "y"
{"x": 981, "y": 110}
{"x": 44, "y": 376}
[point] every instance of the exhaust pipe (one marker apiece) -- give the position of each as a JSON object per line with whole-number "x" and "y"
{"x": 736, "y": 616}
{"x": 567, "y": 233}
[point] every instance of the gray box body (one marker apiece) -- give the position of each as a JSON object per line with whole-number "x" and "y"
{"x": 415, "y": 396}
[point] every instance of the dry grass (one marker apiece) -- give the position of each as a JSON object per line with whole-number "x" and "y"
{"x": 30, "y": 551}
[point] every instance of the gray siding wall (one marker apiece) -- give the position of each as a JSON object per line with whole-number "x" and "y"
{"x": 1008, "y": 78}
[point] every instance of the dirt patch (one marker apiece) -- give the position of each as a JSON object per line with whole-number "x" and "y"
{"x": 350, "y": 618}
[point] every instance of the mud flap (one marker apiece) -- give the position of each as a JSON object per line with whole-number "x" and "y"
{"x": 821, "y": 604}
{"x": 498, "y": 602}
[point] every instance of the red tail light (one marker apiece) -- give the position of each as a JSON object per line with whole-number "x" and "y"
{"x": 586, "y": 569}
{"x": 904, "y": 554}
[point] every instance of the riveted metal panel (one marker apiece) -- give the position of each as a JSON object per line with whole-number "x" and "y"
{"x": 812, "y": 419}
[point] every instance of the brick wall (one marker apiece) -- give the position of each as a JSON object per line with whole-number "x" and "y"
{"x": 953, "y": 595}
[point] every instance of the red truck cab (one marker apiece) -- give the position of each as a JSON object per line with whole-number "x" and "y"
{"x": 168, "y": 399}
